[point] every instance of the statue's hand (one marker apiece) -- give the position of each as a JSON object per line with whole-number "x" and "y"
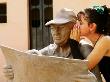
{"x": 8, "y": 72}
{"x": 33, "y": 52}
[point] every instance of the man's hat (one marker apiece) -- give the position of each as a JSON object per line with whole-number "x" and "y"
{"x": 64, "y": 16}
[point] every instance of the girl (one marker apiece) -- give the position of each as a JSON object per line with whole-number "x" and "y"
{"x": 94, "y": 23}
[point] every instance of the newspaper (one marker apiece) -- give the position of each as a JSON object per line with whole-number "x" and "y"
{"x": 34, "y": 68}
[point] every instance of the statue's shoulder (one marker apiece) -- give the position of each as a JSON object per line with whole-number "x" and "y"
{"x": 48, "y": 50}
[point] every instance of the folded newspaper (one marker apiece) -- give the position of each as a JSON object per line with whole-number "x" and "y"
{"x": 34, "y": 68}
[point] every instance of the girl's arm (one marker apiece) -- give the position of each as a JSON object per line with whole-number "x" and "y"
{"x": 98, "y": 52}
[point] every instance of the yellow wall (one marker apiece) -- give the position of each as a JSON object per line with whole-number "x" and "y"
{"x": 14, "y": 33}
{"x": 77, "y": 4}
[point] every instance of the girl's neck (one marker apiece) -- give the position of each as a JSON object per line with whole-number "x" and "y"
{"x": 94, "y": 37}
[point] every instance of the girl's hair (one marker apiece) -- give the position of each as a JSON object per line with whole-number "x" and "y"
{"x": 100, "y": 15}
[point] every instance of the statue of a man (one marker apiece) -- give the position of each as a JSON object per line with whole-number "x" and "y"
{"x": 63, "y": 46}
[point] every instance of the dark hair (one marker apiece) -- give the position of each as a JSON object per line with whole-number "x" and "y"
{"x": 100, "y": 15}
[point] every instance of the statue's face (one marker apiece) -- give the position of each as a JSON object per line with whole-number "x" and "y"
{"x": 61, "y": 33}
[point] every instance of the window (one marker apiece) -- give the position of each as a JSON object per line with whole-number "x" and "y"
{"x": 3, "y": 13}
{"x": 40, "y": 11}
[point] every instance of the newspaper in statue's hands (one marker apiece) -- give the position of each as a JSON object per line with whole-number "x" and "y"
{"x": 35, "y": 68}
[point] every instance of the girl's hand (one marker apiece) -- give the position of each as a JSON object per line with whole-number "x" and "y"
{"x": 75, "y": 33}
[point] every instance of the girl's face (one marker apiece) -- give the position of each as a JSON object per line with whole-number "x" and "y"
{"x": 84, "y": 26}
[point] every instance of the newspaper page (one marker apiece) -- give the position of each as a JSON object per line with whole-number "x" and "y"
{"x": 34, "y": 68}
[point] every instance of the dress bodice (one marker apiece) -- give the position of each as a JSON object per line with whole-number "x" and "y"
{"x": 104, "y": 66}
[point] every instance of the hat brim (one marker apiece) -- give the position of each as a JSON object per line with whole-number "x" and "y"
{"x": 57, "y": 21}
